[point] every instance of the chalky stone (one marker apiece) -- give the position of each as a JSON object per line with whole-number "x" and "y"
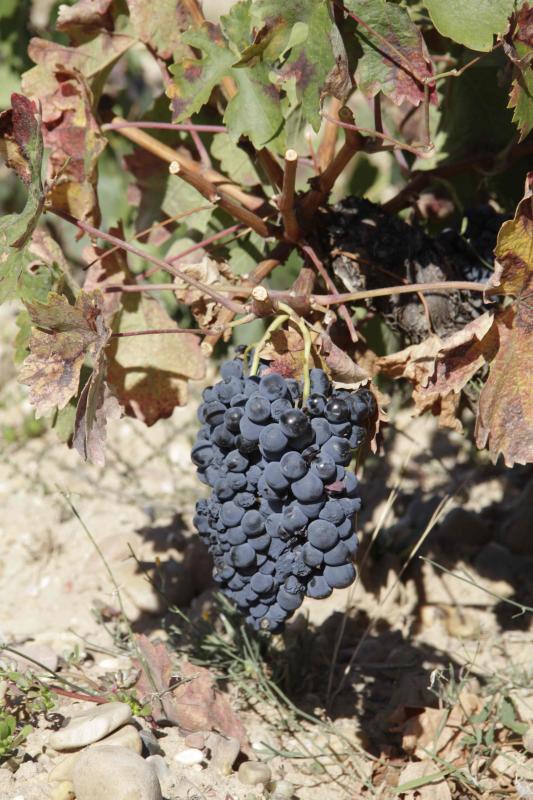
{"x": 90, "y": 726}
{"x": 114, "y": 773}
{"x": 253, "y": 772}
{"x": 127, "y": 737}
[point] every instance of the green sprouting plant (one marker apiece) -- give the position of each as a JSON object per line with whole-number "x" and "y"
{"x": 11, "y": 736}
{"x": 25, "y": 696}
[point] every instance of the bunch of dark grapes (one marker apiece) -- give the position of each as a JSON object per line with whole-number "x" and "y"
{"x": 279, "y": 522}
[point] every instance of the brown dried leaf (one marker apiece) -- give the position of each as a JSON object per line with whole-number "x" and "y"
{"x": 210, "y": 273}
{"x": 428, "y": 779}
{"x": 64, "y": 336}
{"x": 96, "y": 405}
{"x": 505, "y": 415}
{"x": 19, "y": 130}
{"x": 342, "y": 368}
{"x": 84, "y": 17}
{"x": 194, "y": 703}
{"x": 149, "y": 374}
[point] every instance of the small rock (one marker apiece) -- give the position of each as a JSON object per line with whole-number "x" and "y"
{"x": 190, "y": 756}
{"x": 63, "y": 791}
{"x": 281, "y": 790}
{"x": 252, "y": 773}
{"x": 151, "y": 744}
{"x": 114, "y": 773}
{"x": 224, "y": 752}
{"x": 127, "y": 737}
{"x": 196, "y": 740}
{"x": 527, "y": 739}
{"x": 160, "y": 767}
{"x": 36, "y": 651}
{"x": 90, "y": 726}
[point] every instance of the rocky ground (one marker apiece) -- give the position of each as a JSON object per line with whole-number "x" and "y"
{"x": 415, "y": 683}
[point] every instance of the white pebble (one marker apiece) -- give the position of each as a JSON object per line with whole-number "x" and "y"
{"x": 189, "y": 757}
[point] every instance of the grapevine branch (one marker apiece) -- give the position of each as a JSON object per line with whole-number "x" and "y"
{"x": 164, "y": 126}
{"x": 237, "y": 308}
{"x": 343, "y": 311}
{"x": 286, "y": 198}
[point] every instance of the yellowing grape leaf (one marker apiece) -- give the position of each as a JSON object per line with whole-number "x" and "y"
{"x": 395, "y": 59}
{"x": 149, "y": 374}
{"x": 63, "y": 337}
{"x": 505, "y": 417}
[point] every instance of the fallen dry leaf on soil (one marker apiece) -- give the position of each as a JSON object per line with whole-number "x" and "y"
{"x": 193, "y": 703}
{"x": 423, "y": 780}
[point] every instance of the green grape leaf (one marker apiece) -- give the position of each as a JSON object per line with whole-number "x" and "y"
{"x": 234, "y": 161}
{"x": 302, "y": 29}
{"x": 519, "y": 48}
{"x": 254, "y": 110}
{"x": 471, "y": 22}
{"x": 159, "y": 24}
{"x": 22, "y": 147}
{"x": 394, "y": 57}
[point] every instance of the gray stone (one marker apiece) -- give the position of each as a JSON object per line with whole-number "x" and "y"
{"x": 127, "y": 737}
{"x": 90, "y": 726}
{"x": 114, "y": 773}
{"x": 224, "y": 752}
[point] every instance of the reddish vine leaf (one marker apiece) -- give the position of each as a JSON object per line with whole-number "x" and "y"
{"x": 518, "y": 45}
{"x": 396, "y": 61}
{"x": 84, "y": 18}
{"x": 66, "y": 81}
{"x": 62, "y": 338}
{"x": 505, "y": 418}
{"x": 149, "y": 374}
{"x": 192, "y": 703}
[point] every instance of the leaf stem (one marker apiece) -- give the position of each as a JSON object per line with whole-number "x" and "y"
{"x": 277, "y": 323}
{"x": 164, "y": 126}
{"x": 425, "y": 153}
{"x": 165, "y": 265}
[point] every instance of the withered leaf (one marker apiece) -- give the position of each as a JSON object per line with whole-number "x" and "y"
{"x": 62, "y": 338}
{"x": 210, "y": 273}
{"x": 186, "y": 697}
{"x": 149, "y": 374}
{"x": 96, "y": 405}
{"x": 505, "y": 416}
{"x": 342, "y": 368}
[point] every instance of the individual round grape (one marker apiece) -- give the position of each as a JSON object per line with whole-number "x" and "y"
{"x": 350, "y": 484}
{"x": 294, "y": 388}
{"x": 260, "y": 542}
{"x": 316, "y": 403}
{"x": 337, "y": 410}
{"x": 351, "y": 505}
{"x": 333, "y": 512}
{"x": 258, "y": 408}
{"x": 279, "y": 407}
{"x": 267, "y": 492}
{"x": 339, "y": 450}
{"x": 321, "y": 429}
{"x": 231, "y": 369}
{"x": 302, "y": 442}
{"x": 342, "y": 429}
{"x": 276, "y": 613}
{"x": 236, "y": 535}
{"x": 250, "y": 430}
{"x": 238, "y": 400}
{"x": 337, "y": 555}
{"x": 231, "y": 514}
{"x": 276, "y": 548}
{"x": 345, "y": 529}
{"x": 214, "y": 413}
{"x": 294, "y": 423}
{"x": 319, "y": 381}
{"x": 322, "y": 534}
{"x": 228, "y": 389}
{"x": 208, "y": 395}
{"x": 258, "y": 610}
{"x": 340, "y": 577}
{"x": 273, "y": 524}
{"x": 236, "y": 462}
{"x": 357, "y": 436}
{"x": 261, "y": 583}
{"x": 272, "y": 440}
{"x": 268, "y": 506}
{"x": 308, "y": 489}
{"x": 351, "y": 544}
{"x": 202, "y": 454}
{"x": 223, "y": 490}
{"x": 253, "y": 474}
{"x": 251, "y": 385}
{"x": 253, "y": 523}
{"x": 312, "y": 510}
{"x": 292, "y": 585}
{"x": 294, "y": 519}
{"x": 273, "y": 386}
{"x": 236, "y": 480}
{"x": 275, "y": 477}
{"x": 288, "y": 601}
{"x": 243, "y": 555}
{"x": 318, "y": 588}
{"x": 244, "y": 499}
{"x": 232, "y": 418}
{"x": 267, "y": 568}
{"x": 293, "y": 465}
{"x": 325, "y": 467}
{"x": 311, "y": 555}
